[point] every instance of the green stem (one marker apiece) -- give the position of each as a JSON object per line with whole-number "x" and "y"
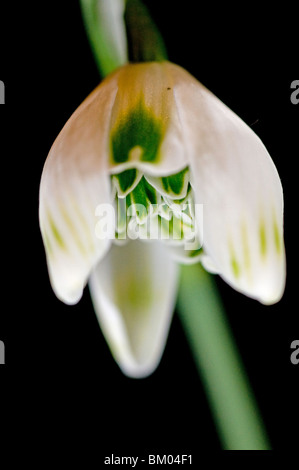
{"x": 106, "y": 32}
{"x": 120, "y": 31}
{"x": 232, "y": 402}
{"x": 145, "y": 43}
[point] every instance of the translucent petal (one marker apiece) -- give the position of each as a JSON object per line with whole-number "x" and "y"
{"x": 133, "y": 290}
{"x": 183, "y": 255}
{"x": 74, "y": 182}
{"x": 237, "y": 183}
{"x": 126, "y": 182}
{"x": 208, "y": 264}
{"x": 173, "y": 186}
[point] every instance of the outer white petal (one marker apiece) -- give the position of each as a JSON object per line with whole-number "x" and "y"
{"x": 74, "y": 182}
{"x": 145, "y": 90}
{"x": 208, "y": 264}
{"x": 238, "y": 184}
{"x": 133, "y": 290}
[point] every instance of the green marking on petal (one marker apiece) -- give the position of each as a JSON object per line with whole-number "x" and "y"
{"x": 138, "y": 195}
{"x": 151, "y": 193}
{"x": 195, "y": 253}
{"x": 135, "y": 293}
{"x": 246, "y": 251}
{"x": 183, "y": 199}
{"x": 126, "y": 179}
{"x": 175, "y": 187}
{"x": 277, "y": 237}
{"x": 84, "y": 225}
{"x": 175, "y": 183}
{"x": 176, "y": 228}
{"x": 165, "y": 184}
{"x": 235, "y": 266}
{"x": 48, "y": 245}
{"x": 263, "y": 241}
{"x": 56, "y": 233}
{"x": 73, "y": 230}
{"x": 137, "y": 136}
{"x": 139, "y": 200}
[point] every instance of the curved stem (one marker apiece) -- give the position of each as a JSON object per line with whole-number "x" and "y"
{"x": 231, "y": 399}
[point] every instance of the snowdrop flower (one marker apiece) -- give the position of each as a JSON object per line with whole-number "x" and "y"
{"x": 155, "y": 145}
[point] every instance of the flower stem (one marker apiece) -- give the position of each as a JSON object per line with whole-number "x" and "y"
{"x": 231, "y": 399}
{"x": 120, "y": 31}
{"x": 144, "y": 39}
{"x": 106, "y": 32}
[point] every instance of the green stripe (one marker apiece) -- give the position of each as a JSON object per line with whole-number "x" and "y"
{"x": 263, "y": 241}
{"x": 277, "y": 237}
{"x": 139, "y": 130}
{"x": 235, "y": 266}
{"x": 150, "y": 192}
{"x": 246, "y": 251}
{"x": 73, "y": 230}
{"x": 48, "y": 245}
{"x": 174, "y": 183}
{"x": 126, "y": 179}
{"x": 56, "y": 233}
{"x": 139, "y": 197}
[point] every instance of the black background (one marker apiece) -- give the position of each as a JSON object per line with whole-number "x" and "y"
{"x": 60, "y": 386}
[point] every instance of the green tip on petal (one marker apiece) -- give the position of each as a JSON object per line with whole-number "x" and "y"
{"x": 137, "y": 137}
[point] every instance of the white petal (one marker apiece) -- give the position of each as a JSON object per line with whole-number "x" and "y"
{"x": 184, "y": 256}
{"x": 74, "y": 182}
{"x": 133, "y": 290}
{"x": 208, "y": 264}
{"x": 145, "y": 129}
{"x": 237, "y": 183}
